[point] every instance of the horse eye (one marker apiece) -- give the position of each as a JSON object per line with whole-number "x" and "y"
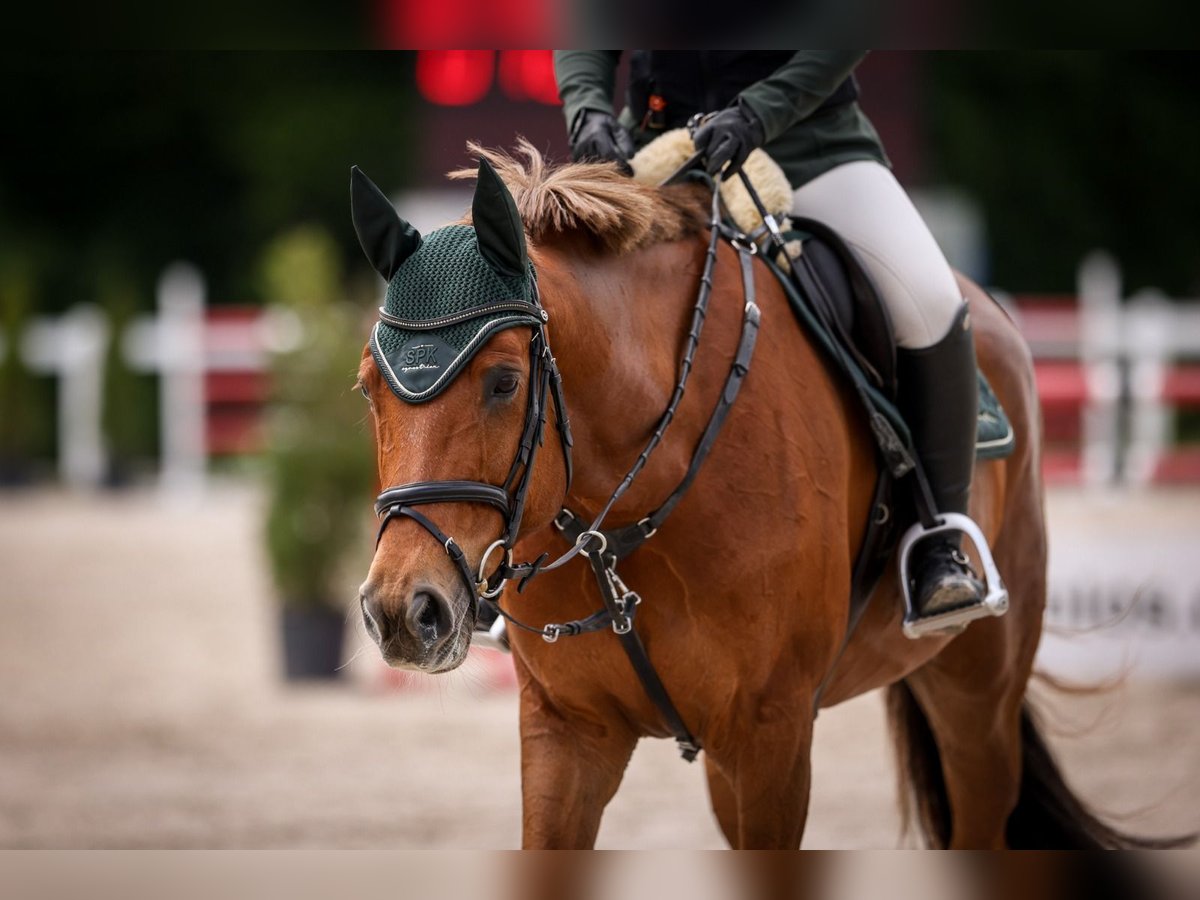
{"x": 506, "y": 384}
{"x": 362, "y": 389}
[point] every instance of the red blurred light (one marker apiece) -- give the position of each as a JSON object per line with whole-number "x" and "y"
{"x": 415, "y": 24}
{"x": 455, "y": 77}
{"x": 529, "y": 75}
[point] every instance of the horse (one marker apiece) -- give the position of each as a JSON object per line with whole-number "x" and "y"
{"x": 746, "y": 586}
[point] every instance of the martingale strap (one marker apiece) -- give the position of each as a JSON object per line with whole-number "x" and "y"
{"x": 621, "y": 604}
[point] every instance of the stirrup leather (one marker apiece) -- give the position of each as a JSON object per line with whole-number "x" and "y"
{"x": 994, "y": 602}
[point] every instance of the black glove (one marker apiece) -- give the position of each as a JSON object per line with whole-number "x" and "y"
{"x": 728, "y": 136}
{"x": 599, "y": 137}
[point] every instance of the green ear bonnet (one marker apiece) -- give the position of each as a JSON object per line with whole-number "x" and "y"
{"x": 448, "y": 292}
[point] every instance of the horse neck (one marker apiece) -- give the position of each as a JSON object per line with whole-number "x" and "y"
{"x": 616, "y": 326}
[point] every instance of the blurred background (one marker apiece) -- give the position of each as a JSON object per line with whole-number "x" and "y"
{"x": 186, "y": 472}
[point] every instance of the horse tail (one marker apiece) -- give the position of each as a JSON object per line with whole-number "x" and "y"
{"x": 922, "y": 788}
{"x": 1048, "y": 814}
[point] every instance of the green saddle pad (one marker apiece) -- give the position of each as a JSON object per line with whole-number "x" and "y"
{"x": 994, "y": 438}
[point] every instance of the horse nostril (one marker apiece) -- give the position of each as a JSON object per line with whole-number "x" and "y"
{"x": 374, "y": 619}
{"x": 428, "y": 618}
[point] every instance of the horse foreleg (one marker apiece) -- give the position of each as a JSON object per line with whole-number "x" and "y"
{"x": 759, "y": 784}
{"x": 570, "y": 769}
{"x": 723, "y": 800}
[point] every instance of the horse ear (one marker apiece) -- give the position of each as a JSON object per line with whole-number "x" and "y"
{"x": 385, "y": 237}
{"x": 498, "y": 224}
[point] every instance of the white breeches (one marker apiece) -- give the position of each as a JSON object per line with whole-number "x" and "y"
{"x": 864, "y": 203}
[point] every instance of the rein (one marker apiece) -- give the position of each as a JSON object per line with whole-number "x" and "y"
{"x": 603, "y": 549}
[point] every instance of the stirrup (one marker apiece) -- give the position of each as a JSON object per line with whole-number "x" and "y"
{"x": 994, "y": 602}
{"x": 494, "y": 638}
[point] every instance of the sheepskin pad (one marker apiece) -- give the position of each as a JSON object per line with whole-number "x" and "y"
{"x": 659, "y": 159}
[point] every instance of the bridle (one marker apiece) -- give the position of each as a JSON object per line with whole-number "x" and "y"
{"x": 509, "y": 497}
{"x": 602, "y": 548}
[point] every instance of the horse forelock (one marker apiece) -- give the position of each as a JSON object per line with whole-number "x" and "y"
{"x": 593, "y": 199}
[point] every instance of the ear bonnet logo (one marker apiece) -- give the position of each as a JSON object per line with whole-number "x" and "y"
{"x": 422, "y": 356}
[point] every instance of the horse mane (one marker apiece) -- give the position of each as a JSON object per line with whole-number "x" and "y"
{"x": 594, "y": 199}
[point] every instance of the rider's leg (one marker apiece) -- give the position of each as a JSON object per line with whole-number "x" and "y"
{"x": 939, "y": 398}
{"x": 868, "y": 207}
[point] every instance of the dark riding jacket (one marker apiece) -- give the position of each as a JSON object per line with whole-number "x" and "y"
{"x": 806, "y": 100}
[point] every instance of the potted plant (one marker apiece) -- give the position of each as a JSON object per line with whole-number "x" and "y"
{"x": 318, "y": 452}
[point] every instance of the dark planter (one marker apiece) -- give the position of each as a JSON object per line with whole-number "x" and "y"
{"x": 15, "y": 472}
{"x": 312, "y": 643}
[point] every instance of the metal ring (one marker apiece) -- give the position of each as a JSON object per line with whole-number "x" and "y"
{"x": 882, "y": 514}
{"x": 649, "y": 534}
{"x": 751, "y": 248}
{"x": 482, "y": 579}
{"x": 587, "y": 534}
{"x": 558, "y": 519}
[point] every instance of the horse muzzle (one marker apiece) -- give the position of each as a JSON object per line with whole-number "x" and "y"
{"x": 429, "y": 632}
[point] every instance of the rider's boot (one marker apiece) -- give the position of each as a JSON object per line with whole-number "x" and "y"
{"x": 939, "y": 398}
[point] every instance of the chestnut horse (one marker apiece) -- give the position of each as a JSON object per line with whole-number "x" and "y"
{"x": 746, "y": 586}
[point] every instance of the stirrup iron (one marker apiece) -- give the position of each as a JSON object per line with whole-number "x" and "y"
{"x": 994, "y": 602}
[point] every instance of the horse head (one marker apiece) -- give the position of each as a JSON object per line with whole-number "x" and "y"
{"x": 456, "y": 375}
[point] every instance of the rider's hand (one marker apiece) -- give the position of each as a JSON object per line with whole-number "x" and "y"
{"x": 599, "y": 137}
{"x": 729, "y": 136}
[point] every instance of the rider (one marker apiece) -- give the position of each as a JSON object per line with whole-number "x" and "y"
{"x": 801, "y": 107}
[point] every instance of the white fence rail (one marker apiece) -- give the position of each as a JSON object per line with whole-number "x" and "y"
{"x": 178, "y": 344}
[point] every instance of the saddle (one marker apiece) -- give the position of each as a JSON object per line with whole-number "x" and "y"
{"x": 850, "y": 308}
{"x": 846, "y": 301}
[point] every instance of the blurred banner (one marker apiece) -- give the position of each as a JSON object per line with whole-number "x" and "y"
{"x": 1124, "y": 595}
